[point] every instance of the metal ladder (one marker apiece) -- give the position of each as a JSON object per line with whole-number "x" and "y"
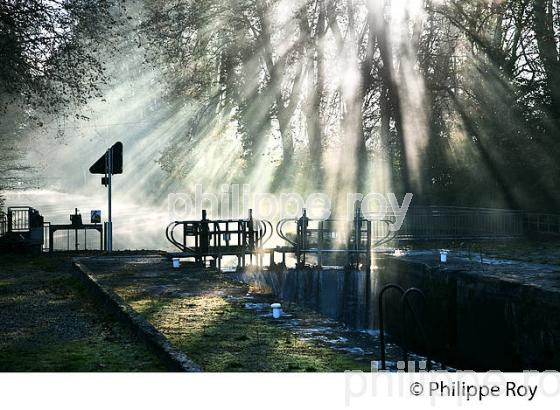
{"x": 405, "y": 307}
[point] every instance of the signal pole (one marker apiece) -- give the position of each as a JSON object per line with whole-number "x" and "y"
{"x": 109, "y": 168}
{"x": 110, "y": 163}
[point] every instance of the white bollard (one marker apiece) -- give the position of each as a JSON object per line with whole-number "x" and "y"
{"x": 443, "y": 256}
{"x": 276, "y": 310}
{"x": 176, "y": 263}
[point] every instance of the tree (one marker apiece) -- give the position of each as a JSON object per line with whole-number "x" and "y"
{"x": 50, "y": 63}
{"x": 455, "y": 98}
{"x": 49, "y": 51}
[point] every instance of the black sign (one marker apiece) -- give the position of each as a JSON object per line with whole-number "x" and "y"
{"x": 100, "y": 166}
{"x": 95, "y": 216}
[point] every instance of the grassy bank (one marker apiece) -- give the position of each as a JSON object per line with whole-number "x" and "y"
{"x": 48, "y": 323}
{"x": 204, "y": 313}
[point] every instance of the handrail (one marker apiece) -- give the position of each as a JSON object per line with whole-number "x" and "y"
{"x": 280, "y": 232}
{"x": 169, "y": 233}
{"x": 405, "y": 303}
{"x": 266, "y": 231}
{"x": 253, "y": 235}
{"x": 382, "y": 320}
{"x": 391, "y": 235}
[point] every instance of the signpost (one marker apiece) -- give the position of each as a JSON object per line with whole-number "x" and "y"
{"x": 96, "y": 216}
{"x": 111, "y": 163}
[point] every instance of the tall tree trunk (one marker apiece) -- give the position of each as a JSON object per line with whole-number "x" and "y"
{"x": 548, "y": 51}
{"x": 314, "y": 117}
{"x": 274, "y": 89}
{"x": 380, "y": 27}
{"x": 353, "y": 109}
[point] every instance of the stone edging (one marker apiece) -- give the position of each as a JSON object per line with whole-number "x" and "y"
{"x": 175, "y": 359}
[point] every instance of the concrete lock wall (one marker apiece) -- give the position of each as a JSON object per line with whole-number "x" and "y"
{"x": 471, "y": 321}
{"x": 338, "y": 294}
{"x": 478, "y": 322}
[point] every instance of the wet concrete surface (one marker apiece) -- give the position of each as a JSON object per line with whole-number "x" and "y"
{"x": 172, "y": 300}
{"x": 478, "y": 314}
{"x": 485, "y": 313}
{"x": 546, "y": 276}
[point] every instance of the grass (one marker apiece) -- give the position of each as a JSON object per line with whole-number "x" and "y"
{"x": 95, "y": 353}
{"x": 48, "y": 323}
{"x": 221, "y": 335}
{"x": 224, "y": 336}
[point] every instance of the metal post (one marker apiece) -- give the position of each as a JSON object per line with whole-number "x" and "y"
{"x": 109, "y": 168}
{"x": 76, "y": 232}
{"x": 357, "y": 232}
{"x": 320, "y": 244}
{"x": 368, "y": 246}
{"x": 51, "y": 240}
{"x": 251, "y": 234}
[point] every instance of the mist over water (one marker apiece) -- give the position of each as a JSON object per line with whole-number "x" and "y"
{"x": 214, "y": 111}
{"x": 135, "y": 226}
{"x": 136, "y": 108}
{"x": 60, "y": 153}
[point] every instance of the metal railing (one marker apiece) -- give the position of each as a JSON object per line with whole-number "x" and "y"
{"x": 405, "y": 306}
{"x": 459, "y": 223}
{"x": 21, "y": 228}
{"x": 543, "y": 224}
{"x": 218, "y": 238}
{"x": 328, "y": 238}
{"x": 3, "y": 224}
{"x": 18, "y": 219}
{"x": 356, "y": 238}
{"x": 65, "y": 239}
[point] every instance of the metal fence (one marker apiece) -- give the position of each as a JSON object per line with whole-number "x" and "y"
{"x": 420, "y": 223}
{"x": 432, "y": 223}
{"x": 3, "y": 224}
{"x": 18, "y": 219}
{"x": 72, "y": 240}
{"x": 445, "y": 222}
{"x": 46, "y": 240}
{"x": 543, "y": 224}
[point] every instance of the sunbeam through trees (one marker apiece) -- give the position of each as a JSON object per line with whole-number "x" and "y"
{"x": 455, "y": 101}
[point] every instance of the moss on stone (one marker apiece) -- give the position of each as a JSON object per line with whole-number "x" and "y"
{"x": 220, "y": 334}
